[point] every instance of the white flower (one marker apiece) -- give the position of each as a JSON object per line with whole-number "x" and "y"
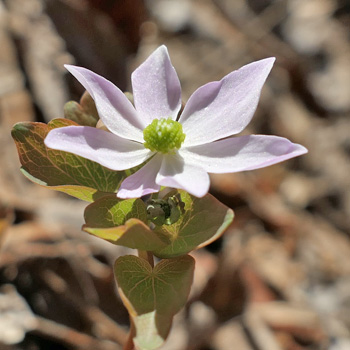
{"x": 181, "y": 150}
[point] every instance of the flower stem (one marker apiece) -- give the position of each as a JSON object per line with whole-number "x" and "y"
{"x": 129, "y": 345}
{"x": 148, "y": 256}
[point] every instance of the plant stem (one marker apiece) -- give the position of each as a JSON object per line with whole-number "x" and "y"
{"x": 148, "y": 256}
{"x": 129, "y": 345}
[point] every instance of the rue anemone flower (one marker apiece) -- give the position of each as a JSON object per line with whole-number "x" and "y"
{"x": 179, "y": 150}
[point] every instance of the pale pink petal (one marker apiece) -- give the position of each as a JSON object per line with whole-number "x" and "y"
{"x": 114, "y": 109}
{"x": 156, "y": 87}
{"x": 143, "y": 181}
{"x": 99, "y": 146}
{"x": 224, "y": 108}
{"x": 241, "y": 153}
{"x": 176, "y": 172}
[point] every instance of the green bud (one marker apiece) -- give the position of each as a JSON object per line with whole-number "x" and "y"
{"x": 165, "y": 211}
{"x": 88, "y": 105}
{"x": 84, "y": 113}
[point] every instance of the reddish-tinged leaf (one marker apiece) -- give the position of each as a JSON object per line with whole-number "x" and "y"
{"x": 62, "y": 171}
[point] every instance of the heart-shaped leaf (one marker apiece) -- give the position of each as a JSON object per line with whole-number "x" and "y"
{"x": 122, "y": 222}
{"x": 153, "y": 295}
{"x": 203, "y": 221}
{"x": 62, "y": 171}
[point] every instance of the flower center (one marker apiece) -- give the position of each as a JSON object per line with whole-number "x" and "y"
{"x": 163, "y": 135}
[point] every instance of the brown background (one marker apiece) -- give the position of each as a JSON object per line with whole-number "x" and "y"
{"x": 280, "y": 276}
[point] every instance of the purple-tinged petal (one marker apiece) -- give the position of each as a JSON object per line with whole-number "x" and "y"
{"x": 113, "y": 107}
{"x": 223, "y": 108}
{"x": 143, "y": 181}
{"x": 241, "y": 153}
{"x": 156, "y": 87}
{"x": 100, "y": 146}
{"x": 176, "y": 172}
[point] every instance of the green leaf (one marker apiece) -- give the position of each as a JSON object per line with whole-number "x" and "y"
{"x": 122, "y": 222}
{"x": 111, "y": 211}
{"x": 153, "y": 295}
{"x": 62, "y": 171}
{"x": 204, "y": 220}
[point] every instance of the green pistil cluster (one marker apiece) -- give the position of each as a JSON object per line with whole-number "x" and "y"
{"x": 164, "y": 135}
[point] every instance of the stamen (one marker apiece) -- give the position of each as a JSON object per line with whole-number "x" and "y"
{"x": 163, "y": 135}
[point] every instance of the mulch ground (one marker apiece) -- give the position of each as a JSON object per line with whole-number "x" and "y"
{"x": 279, "y": 278}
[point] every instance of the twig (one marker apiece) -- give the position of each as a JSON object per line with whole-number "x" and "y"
{"x": 71, "y": 337}
{"x": 105, "y": 326}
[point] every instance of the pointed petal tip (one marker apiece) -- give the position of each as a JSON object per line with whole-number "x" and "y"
{"x": 267, "y": 62}
{"x": 77, "y": 71}
{"x": 282, "y": 151}
{"x": 69, "y": 67}
{"x": 283, "y": 147}
{"x": 156, "y": 87}
{"x": 226, "y": 106}
{"x": 163, "y": 48}
{"x": 300, "y": 150}
{"x": 271, "y": 59}
{"x": 262, "y": 66}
